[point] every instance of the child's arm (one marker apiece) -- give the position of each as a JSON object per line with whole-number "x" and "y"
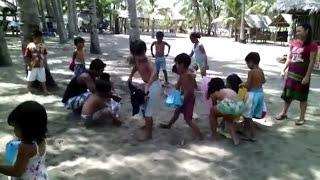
{"x": 152, "y": 49}
{"x": 20, "y": 165}
{"x": 90, "y": 84}
{"x": 263, "y": 78}
{"x": 178, "y": 85}
{"x": 133, "y": 71}
{"x": 191, "y": 54}
{"x": 153, "y": 77}
{"x": 169, "y": 48}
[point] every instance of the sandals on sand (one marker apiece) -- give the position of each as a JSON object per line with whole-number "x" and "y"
{"x": 281, "y": 117}
{"x": 300, "y": 122}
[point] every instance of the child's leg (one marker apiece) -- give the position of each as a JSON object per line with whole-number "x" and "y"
{"x": 172, "y": 120}
{"x": 213, "y": 121}
{"x": 44, "y": 87}
{"x": 195, "y": 129}
{"x": 230, "y": 124}
{"x": 41, "y": 76}
{"x": 31, "y": 77}
{"x": 165, "y": 76}
{"x": 249, "y": 126}
{"x": 148, "y": 128}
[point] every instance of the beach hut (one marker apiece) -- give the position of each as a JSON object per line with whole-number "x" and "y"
{"x": 283, "y": 24}
{"x": 302, "y": 11}
{"x": 257, "y": 27}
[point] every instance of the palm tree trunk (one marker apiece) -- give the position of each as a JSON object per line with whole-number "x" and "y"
{"x": 72, "y": 19}
{"x": 5, "y": 59}
{"x": 94, "y": 44}
{"x": 242, "y": 35}
{"x": 57, "y": 8}
{"x": 153, "y": 28}
{"x": 43, "y": 17}
{"x": 133, "y": 21}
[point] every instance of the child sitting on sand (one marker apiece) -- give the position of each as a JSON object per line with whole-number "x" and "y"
{"x": 186, "y": 84}
{"x": 160, "y": 56}
{"x": 35, "y": 56}
{"x": 94, "y": 111}
{"x": 226, "y": 104}
{"x": 79, "y": 56}
{"x": 255, "y": 96}
{"x": 30, "y": 161}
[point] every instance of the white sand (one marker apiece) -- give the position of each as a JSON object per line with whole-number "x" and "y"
{"x": 283, "y": 151}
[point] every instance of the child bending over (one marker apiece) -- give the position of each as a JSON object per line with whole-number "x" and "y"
{"x": 94, "y": 111}
{"x": 186, "y": 84}
{"x": 29, "y": 120}
{"x": 160, "y": 56}
{"x": 226, "y": 104}
{"x": 255, "y": 95}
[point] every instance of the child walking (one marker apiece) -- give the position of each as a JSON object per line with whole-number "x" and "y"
{"x": 148, "y": 74}
{"x": 255, "y": 96}
{"x": 199, "y": 54}
{"x": 29, "y": 120}
{"x": 35, "y": 57}
{"x": 79, "y": 56}
{"x": 186, "y": 84}
{"x": 226, "y": 104}
{"x": 160, "y": 56}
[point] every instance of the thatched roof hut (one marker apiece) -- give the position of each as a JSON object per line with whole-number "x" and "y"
{"x": 257, "y": 22}
{"x": 282, "y": 20}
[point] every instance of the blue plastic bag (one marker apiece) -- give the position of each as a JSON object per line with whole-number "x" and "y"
{"x": 174, "y": 99}
{"x": 12, "y": 148}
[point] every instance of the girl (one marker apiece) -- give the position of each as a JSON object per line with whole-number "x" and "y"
{"x": 29, "y": 120}
{"x": 226, "y": 104}
{"x": 199, "y": 53}
{"x": 233, "y": 82}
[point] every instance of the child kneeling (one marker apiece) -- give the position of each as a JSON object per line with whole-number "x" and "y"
{"x": 226, "y": 104}
{"x": 94, "y": 111}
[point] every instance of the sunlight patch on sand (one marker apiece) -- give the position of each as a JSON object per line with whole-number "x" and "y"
{"x": 62, "y": 71}
{"x": 210, "y": 150}
{"x": 287, "y": 131}
{"x": 11, "y": 85}
{"x": 193, "y": 165}
{"x": 316, "y": 172}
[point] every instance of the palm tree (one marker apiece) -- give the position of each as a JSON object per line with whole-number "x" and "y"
{"x": 58, "y": 14}
{"x": 72, "y": 18}
{"x": 133, "y": 21}
{"x": 4, "y": 53}
{"x": 94, "y": 38}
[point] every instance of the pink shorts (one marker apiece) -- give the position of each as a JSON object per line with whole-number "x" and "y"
{"x": 187, "y": 108}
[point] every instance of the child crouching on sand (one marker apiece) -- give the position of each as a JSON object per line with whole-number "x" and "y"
{"x": 186, "y": 84}
{"x": 226, "y": 104}
{"x": 94, "y": 111}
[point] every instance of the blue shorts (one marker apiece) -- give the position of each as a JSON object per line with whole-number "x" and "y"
{"x": 161, "y": 63}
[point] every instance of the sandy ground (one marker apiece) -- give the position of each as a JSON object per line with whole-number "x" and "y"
{"x": 283, "y": 151}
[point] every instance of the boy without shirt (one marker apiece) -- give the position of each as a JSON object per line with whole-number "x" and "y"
{"x": 148, "y": 74}
{"x": 160, "y": 56}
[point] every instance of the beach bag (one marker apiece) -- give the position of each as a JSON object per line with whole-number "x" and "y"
{"x": 72, "y": 64}
{"x": 204, "y": 90}
{"x": 11, "y": 153}
{"x": 174, "y": 99}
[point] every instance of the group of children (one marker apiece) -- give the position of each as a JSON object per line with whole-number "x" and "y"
{"x": 226, "y": 102}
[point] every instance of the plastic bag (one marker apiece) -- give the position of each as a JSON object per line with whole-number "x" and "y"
{"x": 11, "y": 152}
{"x": 174, "y": 99}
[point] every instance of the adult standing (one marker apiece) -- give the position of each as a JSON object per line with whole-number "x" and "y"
{"x": 300, "y": 64}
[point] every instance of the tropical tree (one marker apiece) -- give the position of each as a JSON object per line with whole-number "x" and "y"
{"x": 4, "y": 53}
{"x": 72, "y": 19}
{"x": 133, "y": 21}
{"x": 58, "y": 16}
{"x": 94, "y": 39}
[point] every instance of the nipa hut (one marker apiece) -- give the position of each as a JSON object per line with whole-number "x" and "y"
{"x": 257, "y": 27}
{"x": 283, "y": 24}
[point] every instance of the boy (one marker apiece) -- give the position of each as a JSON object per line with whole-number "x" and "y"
{"x": 186, "y": 84}
{"x": 78, "y": 56}
{"x": 35, "y": 57}
{"x": 152, "y": 89}
{"x": 255, "y": 99}
{"x": 160, "y": 57}
{"x": 94, "y": 111}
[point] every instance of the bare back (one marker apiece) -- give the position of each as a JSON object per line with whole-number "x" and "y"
{"x": 93, "y": 104}
{"x": 145, "y": 69}
{"x": 256, "y": 79}
{"x": 187, "y": 84}
{"x": 226, "y": 93}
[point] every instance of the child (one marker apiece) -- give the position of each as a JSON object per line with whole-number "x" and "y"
{"x": 199, "y": 54}
{"x": 35, "y": 56}
{"x": 78, "y": 56}
{"x": 233, "y": 82}
{"x": 186, "y": 84}
{"x": 255, "y": 96}
{"x": 226, "y": 104}
{"x": 160, "y": 57}
{"x": 152, "y": 88}
{"x": 29, "y": 120}
{"x": 94, "y": 111}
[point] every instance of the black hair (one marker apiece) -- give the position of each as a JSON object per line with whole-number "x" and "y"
{"x": 234, "y": 81}
{"x": 195, "y": 35}
{"x": 105, "y": 77}
{"x": 174, "y": 69}
{"x": 215, "y": 84}
{"x": 36, "y": 34}
{"x": 307, "y": 27}
{"x": 30, "y": 118}
{"x": 159, "y": 34}
{"x": 78, "y": 40}
{"x": 102, "y": 86}
{"x": 138, "y": 47}
{"x": 253, "y": 57}
{"x": 97, "y": 65}
{"x": 184, "y": 59}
